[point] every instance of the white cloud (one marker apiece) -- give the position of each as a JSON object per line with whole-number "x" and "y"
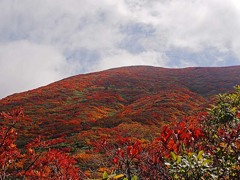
{"x": 103, "y": 34}
{"x": 190, "y": 24}
{"x": 25, "y": 65}
{"x": 123, "y": 58}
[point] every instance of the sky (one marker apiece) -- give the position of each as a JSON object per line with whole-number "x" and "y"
{"x": 42, "y": 41}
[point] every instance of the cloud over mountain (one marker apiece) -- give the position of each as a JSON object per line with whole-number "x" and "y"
{"x": 52, "y": 39}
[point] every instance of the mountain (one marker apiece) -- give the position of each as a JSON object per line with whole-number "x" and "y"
{"x": 140, "y": 96}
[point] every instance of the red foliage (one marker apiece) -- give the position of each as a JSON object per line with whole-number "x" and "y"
{"x": 105, "y": 105}
{"x": 36, "y": 163}
{"x": 53, "y": 164}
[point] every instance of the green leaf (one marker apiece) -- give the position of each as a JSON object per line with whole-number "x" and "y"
{"x": 175, "y": 176}
{"x": 234, "y": 109}
{"x": 179, "y": 159}
{"x": 134, "y": 177}
{"x": 125, "y": 179}
{"x": 105, "y": 175}
{"x": 206, "y": 162}
{"x": 173, "y": 155}
{"x": 199, "y": 156}
{"x": 215, "y": 136}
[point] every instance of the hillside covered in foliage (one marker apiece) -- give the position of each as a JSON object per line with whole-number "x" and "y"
{"x": 124, "y": 114}
{"x": 144, "y": 95}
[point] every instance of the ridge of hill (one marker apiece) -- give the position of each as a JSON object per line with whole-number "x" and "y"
{"x": 141, "y": 95}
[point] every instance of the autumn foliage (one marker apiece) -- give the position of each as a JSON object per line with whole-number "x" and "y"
{"x": 37, "y": 160}
{"x": 114, "y": 126}
{"x": 203, "y": 146}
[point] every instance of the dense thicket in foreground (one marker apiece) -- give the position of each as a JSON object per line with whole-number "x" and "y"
{"x": 205, "y": 146}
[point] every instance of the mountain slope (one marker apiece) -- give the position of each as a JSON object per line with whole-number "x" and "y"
{"x": 142, "y": 94}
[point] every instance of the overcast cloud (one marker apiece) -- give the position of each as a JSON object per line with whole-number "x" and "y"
{"x": 44, "y": 41}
